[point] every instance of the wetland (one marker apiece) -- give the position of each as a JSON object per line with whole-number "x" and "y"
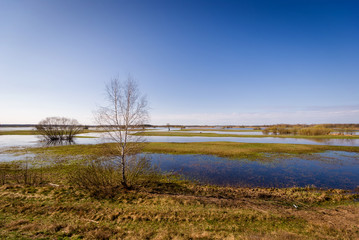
{"x": 270, "y": 185}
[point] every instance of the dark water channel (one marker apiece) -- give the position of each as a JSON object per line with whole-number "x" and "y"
{"x": 331, "y": 169}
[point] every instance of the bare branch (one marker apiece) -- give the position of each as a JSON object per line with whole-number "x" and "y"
{"x": 59, "y": 128}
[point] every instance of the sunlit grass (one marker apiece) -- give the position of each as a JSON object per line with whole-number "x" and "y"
{"x": 221, "y": 149}
{"x": 240, "y": 150}
{"x": 19, "y": 132}
{"x": 199, "y": 212}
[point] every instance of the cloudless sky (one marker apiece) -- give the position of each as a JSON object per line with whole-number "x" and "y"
{"x": 198, "y": 61}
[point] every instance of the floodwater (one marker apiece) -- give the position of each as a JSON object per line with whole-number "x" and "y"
{"x": 7, "y": 157}
{"x": 16, "y": 128}
{"x": 233, "y": 128}
{"x": 9, "y": 141}
{"x": 18, "y": 140}
{"x": 316, "y": 141}
{"x": 331, "y": 169}
{"x": 34, "y": 141}
{"x": 225, "y": 132}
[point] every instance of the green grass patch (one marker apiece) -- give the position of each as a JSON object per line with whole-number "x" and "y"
{"x": 221, "y": 149}
{"x": 19, "y": 132}
{"x": 241, "y": 150}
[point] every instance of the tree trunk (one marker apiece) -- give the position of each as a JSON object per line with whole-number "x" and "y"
{"x": 124, "y": 181}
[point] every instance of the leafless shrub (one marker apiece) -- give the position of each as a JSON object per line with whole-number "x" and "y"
{"x": 265, "y": 131}
{"x": 103, "y": 177}
{"x": 59, "y": 128}
{"x": 21, "y": 172}
{"x": 100, "y": 178}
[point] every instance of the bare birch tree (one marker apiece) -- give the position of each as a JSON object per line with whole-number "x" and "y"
{"x": 126, "y": 113}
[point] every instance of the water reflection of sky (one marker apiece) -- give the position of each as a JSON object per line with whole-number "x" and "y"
{"x": 33, "y": 141}
{"x": 227, "y": 132}
{"x": 16, "y": 128}
{"x": 7, "y": 141}
{"x": 329, "y": 169}
{"x": 314, "y": 141}
{"x": 324, "y": 170}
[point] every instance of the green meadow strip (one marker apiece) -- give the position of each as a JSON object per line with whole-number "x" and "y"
{"x": 221, "y": 149}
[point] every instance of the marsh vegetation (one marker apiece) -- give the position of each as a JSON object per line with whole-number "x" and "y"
{"x": 310, "y": 130}
{"x": 76, "y": 191}
{"x": 173, "y": 209}
{"x": 224, "y": 163}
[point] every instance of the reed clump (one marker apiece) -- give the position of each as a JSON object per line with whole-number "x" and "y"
{"x": 21, "y": 172}
{"x": 316, "y": 130}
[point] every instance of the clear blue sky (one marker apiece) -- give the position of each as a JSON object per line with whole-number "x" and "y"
{"x": 198, "y": 62}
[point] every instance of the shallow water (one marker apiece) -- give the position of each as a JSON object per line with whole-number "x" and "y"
{"x": 225, "y": 132}
{"x": 233, "y": 128}
{"x": 16, "y": 128}
{"x": 331, "y": 169}
{"x": 316, "y": 141}
{"x": 18, "y": 140}
{"x": 8, "y": 141}
{"x": 324, "y": 170}
{"x": 33, "y": 141}
{"x": 4, "y": 157}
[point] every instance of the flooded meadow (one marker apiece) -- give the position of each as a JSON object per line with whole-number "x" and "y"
{"x": 329, "y": 169}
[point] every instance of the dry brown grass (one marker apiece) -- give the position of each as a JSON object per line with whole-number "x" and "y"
{"x": 192, "y": 212}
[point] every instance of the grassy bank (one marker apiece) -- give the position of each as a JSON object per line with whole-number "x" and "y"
{"x": 19, "y": 132}
{"x": 177, "y": 211}
{"x": 221, "y": 149}
{"x": 205, "y": 134}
